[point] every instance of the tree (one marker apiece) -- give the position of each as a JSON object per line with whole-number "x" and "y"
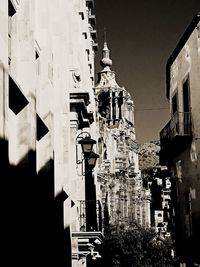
{"x": 135, "y": 246}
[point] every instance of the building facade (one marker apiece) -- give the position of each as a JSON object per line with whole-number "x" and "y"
{"x": 161, "y": 208}
{"x": 180, "y": 141}
{"x": 46, "y": 109}
{"x": 119, "y": 179}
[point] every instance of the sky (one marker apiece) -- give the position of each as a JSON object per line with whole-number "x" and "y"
{"x": 141, "y": 35}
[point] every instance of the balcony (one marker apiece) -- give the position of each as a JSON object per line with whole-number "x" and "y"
{"x": 88, "y": 244}
{"x": 90, "y": 215}
{"x": 175, "y": 134}
{"x": 90, "y": 235}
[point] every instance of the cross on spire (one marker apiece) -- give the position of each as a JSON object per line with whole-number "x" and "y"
{"x": 104, "y": 35}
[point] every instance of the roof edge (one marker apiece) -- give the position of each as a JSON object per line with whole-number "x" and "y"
{"x": 178, "y": 48}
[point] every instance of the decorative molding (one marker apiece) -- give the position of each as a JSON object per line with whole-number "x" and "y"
{"x": 79, "y": 103}
{"x": 88, "y": 235}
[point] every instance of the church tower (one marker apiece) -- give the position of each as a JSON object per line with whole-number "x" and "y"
{"x": 114, "y": 102}
{"x": 118, "y": 174}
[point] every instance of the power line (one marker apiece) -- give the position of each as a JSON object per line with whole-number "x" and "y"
{"x": 143, "y": 109}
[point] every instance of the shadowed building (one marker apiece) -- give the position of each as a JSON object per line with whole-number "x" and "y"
{"x": 46, "y": 101}
{"x": 180, "y": 141}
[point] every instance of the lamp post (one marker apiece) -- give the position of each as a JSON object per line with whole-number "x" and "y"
{"x": 89, "y": 158}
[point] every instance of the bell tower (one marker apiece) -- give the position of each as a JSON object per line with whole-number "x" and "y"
{"x": 118, "y": 169}
{"x": 114, "y": 103}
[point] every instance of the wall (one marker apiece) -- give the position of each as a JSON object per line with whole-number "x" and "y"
{"x": 186, "y": 166}
{"x": 43, "y": 46}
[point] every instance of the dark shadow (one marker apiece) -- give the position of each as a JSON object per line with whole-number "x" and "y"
{"x": 32, "y": 231}
{"x": 156, "y": 201}
{"x": 17, "y": 101}
{"x": 11, "y": 8}
{"x": 42, "y": 129}
{"x": 67, "y": 248}
{"x": 62, "y": 241}
{"x": 106, "y": 215}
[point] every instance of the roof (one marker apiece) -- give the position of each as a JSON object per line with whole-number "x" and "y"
{"x": 178, "y": 48}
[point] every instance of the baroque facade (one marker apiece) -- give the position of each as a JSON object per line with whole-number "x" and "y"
{"x": 180, "y": 142}
{"x": 119, "y": 179}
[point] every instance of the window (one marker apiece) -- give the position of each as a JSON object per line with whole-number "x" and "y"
{"x": 186, "y": 96}
{"x": 186, "y": 106}
{"x": 174, "y": 104}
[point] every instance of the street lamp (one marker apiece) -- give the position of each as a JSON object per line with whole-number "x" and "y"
{"x": 92, "y": 159}
{"x": 86, "y": 144}
{"x": 89, "y": 157}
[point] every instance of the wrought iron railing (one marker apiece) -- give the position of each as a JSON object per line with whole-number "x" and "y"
{"x": 90, "y": 215}
{"x": 180, "y": 124}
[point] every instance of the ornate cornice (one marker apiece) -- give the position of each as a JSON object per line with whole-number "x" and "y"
{"x": 79, "y": 103}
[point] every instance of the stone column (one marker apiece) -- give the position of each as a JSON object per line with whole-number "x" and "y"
{"x": 123, "y": 105}
{"x": 116, "y": 106}
{"x": 111, "y": 109}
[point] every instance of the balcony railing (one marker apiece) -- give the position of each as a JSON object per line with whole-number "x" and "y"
{"x": 179, "y": 125}
{"x": 90, "y": 215}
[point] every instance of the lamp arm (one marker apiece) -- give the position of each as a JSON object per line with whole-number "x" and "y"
{"x": 80, "y": 161}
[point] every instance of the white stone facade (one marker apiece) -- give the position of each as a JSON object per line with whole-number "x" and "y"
{"x": 46, "y": 99}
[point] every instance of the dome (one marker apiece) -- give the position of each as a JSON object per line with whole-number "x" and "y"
{"x": 106, "y": 62}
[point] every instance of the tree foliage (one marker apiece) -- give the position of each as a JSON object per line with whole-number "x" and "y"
{"x": 135, "y": 246}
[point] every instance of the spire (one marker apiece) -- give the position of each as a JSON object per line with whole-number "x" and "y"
{"x": 104, "y": 34}
{"x": 106, "y": 62}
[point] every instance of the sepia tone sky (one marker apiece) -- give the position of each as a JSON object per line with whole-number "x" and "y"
{"x": 141, "y": 35}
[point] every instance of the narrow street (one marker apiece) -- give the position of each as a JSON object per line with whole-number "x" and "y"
{"x": 100, "y": 133}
